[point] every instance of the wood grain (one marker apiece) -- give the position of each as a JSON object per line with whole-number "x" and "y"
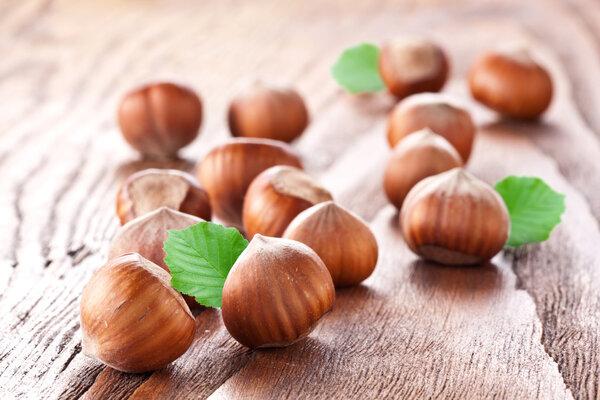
{"x": 524, "y": 326}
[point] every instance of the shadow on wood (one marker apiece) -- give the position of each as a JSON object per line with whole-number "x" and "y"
{"x": 132, "y": 166}
{"x": 461, "y": 284}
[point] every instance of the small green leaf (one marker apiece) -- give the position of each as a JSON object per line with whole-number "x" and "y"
{"x": 534, "y": 208}
{"x": 200, "y": 257}
{"x": 357, "y": 69}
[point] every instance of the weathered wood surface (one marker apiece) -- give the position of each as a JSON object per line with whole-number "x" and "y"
{"x": 525, "y": 326}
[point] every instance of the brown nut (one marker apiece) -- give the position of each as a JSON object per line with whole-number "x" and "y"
{"x": 147, "y": 190}
{"x": 511, "y": 83}
{"x": 276, "y": 196}
{"x": 228, "y": 169}
{"x": 147, "y": 234}
{"x": 417, "y": 156}
{"x": 160, "y": 118}
{"x": 411, "y": 65}
{"x": 131, "y": 317}
{"x": 437, "y": 112}
{"x": 275, "y": 293}
{"x": 268, "y": 111}
{"x": 342, "y": 240}
{"x": 454, "y": 218}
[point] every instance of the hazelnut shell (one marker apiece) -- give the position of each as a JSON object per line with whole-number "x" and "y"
{"x": 341, "y": 239}
{"x": 411, "y": 65}
{"x": 160, "y": 118}
{"x": 147, "y": 234}
{"x": 417, "y": 156}
{"x": 268, "y": 111}
{"x": 439, "y": 113}
{"x": 228, "y": 169}
{"x": 511, "y": 83}
{"x": 131, "y": 317}
{"x": 454, "y": 218}
{"x": 275, "y": 293}
{"x": 276, "y": 196}
{"x": 150, "y": 189}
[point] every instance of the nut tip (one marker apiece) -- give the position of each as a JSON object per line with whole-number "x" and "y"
{"x": 329, "y": 204}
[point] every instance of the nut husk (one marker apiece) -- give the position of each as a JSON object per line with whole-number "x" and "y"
{"x": 150, "y": 189}
{"x": 454, "y": 218}
{"x": 160, "y": 118}
{"x": 228, "y": 169}
{"x": 131, "y": 317}
{"x": 417, "y": 156}
{"x": 268, "y": 111}
{"x": 438, "y": 112}
{"x": 341, "y": 239}
{"x": 275, "y": 293}
{"x": 276, "y": 196}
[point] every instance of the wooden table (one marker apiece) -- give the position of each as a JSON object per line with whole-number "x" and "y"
{"x": 525, "y": 326}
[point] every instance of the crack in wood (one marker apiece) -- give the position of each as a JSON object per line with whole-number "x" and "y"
{"x": 69, "y": 183}
{"x": 519, "y": 285}
{"x": 86, "y": 388}
{"x": 74, "y": 353}
{"x": 80, "y": 206}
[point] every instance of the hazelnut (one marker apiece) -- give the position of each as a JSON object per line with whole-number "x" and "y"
{"x": 147, "y": 190}
{"x": 417, "y": 156}
{"x": 160, "y": 118}
{"x": 342, "y": 240}
{"x": 146, "y": 235}
{"x": 454, "y": 218}
{"x": 439, "y": 113}
{"x": 228, "y": 169}
{"x": 131, "y": 317}
{"x": 276, "y": 196}
{"x": 511, "y": 83}
{"x": 268, "y": 111}
{"x": 411, "y": 65}
{"x": 275, "y": 293}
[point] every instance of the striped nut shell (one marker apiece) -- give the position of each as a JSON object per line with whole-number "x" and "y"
{"x": 276, "y": 196}
{"x": 131, "y": 317}
{"x": 265, "y": 110}
{"x": 342, "y": 240}
{"x": 160, "y": 118}
{"x": 228, "y": 169}
{"x": 454, "y": 218}
{"x": 417, "y": 156}
{"x": 275, "y": 293}
{"x": 441, "y": 113}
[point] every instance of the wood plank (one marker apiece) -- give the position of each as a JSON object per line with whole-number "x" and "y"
{"x": 525, "y": 326}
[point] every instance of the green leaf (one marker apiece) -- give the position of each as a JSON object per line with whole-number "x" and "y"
{"x": 534, "y": 208}
{"x": 357, "y": 69}
{"x": 200, "y": 257}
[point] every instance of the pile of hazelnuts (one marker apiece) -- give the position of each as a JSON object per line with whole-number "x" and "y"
{"x": 446, "y": 214}
{"x": 303, "y": 244}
